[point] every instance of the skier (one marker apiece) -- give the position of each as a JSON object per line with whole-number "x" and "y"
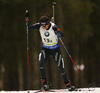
{"x": 48, "y": 32}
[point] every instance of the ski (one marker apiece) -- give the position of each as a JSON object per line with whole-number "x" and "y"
{"x": 88, "y": 89}
{"x": 66, "y": 90}
{"x": 45, "y": 91}
{"x": 77, "y": 89}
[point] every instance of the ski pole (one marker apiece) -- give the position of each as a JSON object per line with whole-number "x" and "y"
{"x": 27, "y": 19}
{"x": 53, "y": 5}
{"x": 72, "y": 60}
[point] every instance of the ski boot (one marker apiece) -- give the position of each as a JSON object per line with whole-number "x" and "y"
{"x": 45, "y": 88}
{"x": 70, "y": 88}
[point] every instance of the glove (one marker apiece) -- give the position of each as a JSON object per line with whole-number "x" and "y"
{"x": 57, "y": 30}
{"x": 26, "y": 15}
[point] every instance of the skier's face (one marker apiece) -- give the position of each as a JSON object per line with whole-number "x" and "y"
{"x": 44, "y": 25}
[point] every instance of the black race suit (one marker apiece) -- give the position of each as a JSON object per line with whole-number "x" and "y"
{"x": 50, "y": 46}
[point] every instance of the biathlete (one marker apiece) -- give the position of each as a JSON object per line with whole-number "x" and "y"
{"x": 50, "y": 46}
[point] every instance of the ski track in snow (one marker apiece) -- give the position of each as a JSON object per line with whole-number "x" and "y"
{"x": 85, "y": 90}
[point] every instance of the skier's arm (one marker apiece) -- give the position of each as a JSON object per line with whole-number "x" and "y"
{"x": 34, "y": 26}
{"x": 58, "y": 30}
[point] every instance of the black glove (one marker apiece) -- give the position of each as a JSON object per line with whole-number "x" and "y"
{"x": 26, "y": 15}
{"x": 57, "y": 30}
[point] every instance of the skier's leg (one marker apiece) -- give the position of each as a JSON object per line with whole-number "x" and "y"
{"x": 42, "y": 59}
{"x": 60, "y": 63}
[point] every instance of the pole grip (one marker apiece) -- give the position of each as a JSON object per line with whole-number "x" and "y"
{"x": 53, "y": 3}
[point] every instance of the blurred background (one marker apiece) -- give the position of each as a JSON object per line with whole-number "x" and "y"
{"x": 79, "y": 20}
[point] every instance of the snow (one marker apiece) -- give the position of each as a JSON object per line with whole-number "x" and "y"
{"x": 84, "y": 90}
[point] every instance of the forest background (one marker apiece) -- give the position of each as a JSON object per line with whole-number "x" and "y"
{"x": 79, "y": 20}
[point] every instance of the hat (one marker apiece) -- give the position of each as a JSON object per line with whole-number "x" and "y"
{"x": 44, "y": 20}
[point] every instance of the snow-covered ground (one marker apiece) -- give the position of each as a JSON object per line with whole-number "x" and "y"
{"x": 84, "y": 90}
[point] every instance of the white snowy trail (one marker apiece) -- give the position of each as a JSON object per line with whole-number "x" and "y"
{"x": 84, "y": 90}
